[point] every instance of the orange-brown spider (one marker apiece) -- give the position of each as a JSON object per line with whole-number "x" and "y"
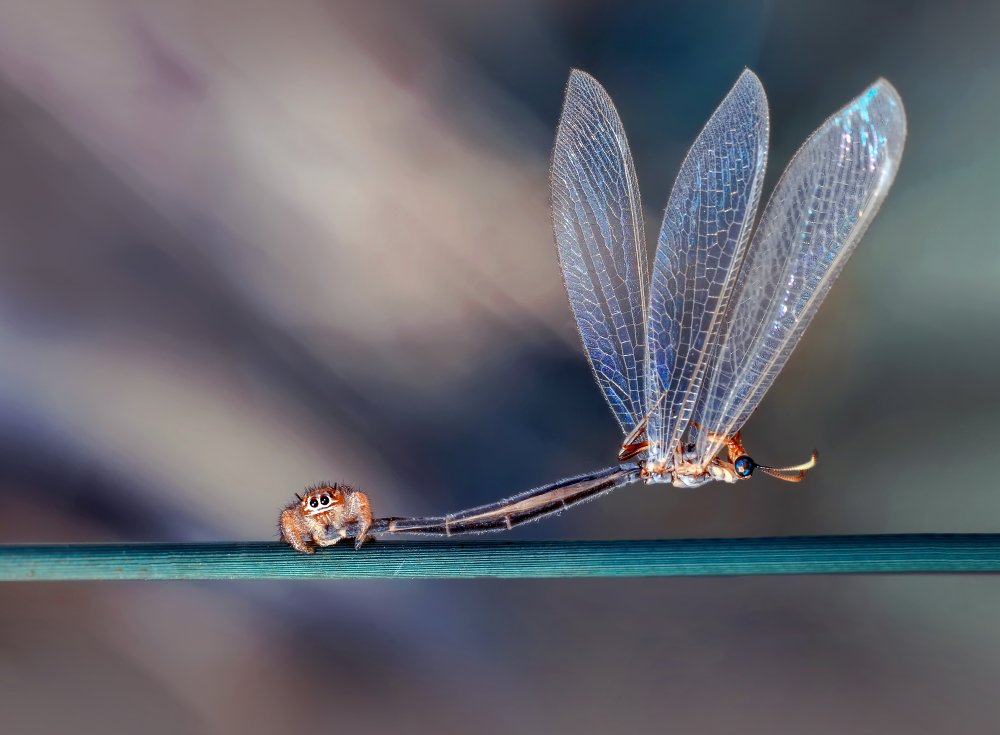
{"x": 324, "y": 515}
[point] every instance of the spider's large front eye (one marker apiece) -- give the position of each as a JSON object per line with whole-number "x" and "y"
{"x": 324, "y": 499}
{"x": 313, "y": 503}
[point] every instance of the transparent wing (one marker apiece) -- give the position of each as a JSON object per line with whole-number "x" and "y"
{"x": 597, "y": 217}
{"x": 702, "y": 241}
{"x": 820, "y": 208}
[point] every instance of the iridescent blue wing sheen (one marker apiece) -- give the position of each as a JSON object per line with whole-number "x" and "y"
{"x": 597, "y": 217}
{"x": 820, "y": 208}
{"x": 701, "y": 245}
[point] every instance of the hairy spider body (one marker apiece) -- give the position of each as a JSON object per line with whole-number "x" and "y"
{"x": 324, "y": 515}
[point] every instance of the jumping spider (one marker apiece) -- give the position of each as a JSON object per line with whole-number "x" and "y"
{"x": 324, "y": 515}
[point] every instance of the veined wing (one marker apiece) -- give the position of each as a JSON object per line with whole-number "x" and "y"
{"x": 820, "y": 208}
{"x": 701, "y": 245}
{"x": 597, "y": 217}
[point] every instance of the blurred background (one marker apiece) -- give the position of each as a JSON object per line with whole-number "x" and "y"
{"x": 248, "y": 246}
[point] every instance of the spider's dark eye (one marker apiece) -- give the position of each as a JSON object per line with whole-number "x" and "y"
{"x": 313, "y": 503}
{"x": 744, "y": 466}
{"x": 325, "y": 499}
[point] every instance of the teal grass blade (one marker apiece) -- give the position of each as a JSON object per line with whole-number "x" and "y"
{"x": 879, "y": 554}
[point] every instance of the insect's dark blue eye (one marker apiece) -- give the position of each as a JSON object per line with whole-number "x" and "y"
{"x": 325, "y": 500}
{"x": 744, "y": 466}
{"x": 313, "y": 503}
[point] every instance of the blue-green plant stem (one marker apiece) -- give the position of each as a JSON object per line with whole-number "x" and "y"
{"x": 881, "y": 554}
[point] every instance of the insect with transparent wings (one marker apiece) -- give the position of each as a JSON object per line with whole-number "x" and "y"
{"x": 686, "y": 353}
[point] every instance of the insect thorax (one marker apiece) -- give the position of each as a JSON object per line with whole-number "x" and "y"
{"x": 686, "y": 473}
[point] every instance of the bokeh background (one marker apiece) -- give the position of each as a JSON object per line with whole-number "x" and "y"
{"x": 246, "y": 246}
